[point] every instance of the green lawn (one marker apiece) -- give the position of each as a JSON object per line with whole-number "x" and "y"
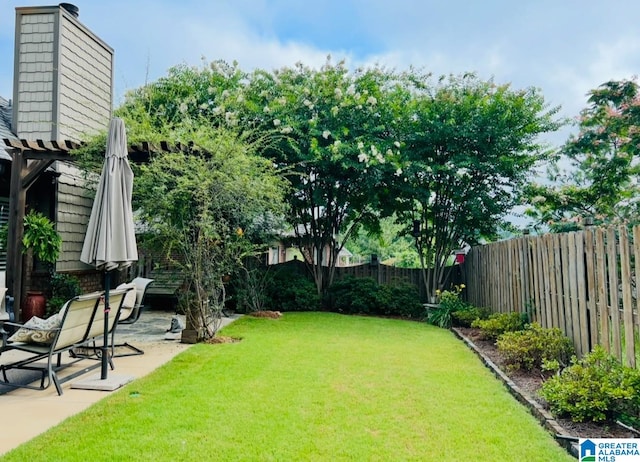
{"x": 308, "y": 386}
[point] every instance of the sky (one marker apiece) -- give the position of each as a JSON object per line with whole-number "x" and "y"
{"x": 562, "y": 47}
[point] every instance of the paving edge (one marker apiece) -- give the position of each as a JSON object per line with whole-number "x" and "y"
{"x": 545, "y": 418}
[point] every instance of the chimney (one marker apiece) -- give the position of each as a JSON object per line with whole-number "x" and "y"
{"x": 63, "y": 75}
{"x": 71, "y": 8}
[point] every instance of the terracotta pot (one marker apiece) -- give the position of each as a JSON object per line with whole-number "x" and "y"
{"x": 34, "y": 305}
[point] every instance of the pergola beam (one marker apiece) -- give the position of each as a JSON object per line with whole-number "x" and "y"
{"x": 30, "y": 158}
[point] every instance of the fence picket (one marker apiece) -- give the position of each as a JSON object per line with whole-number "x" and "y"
{"x": 627, "y": 302}
{"x": 612, "y": 273}
{"x": 592, "y": 318}
{"x": 604, "y": 338}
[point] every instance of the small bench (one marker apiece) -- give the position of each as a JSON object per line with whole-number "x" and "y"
{"x": 166, "y": 285}
{"x": 81, "y": 324}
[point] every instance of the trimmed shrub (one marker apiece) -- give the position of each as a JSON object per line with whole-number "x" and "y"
{"x": 63, "y": 288}
{"x": 596, "y": 388}
{"x": 401, "y": 299}
{"x": 528, "y": 349}
{"x": 290, "y": 291}
{"x": 466, "y": 316}
{"x": 499, "y": 323}
{"x": 351, "y": 295}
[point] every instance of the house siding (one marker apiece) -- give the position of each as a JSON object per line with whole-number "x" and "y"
{"x": 84, "y": 82}
{"x": 33, "y": 97}
{"x": 62, "y": 91}
{"x": 72, "y": 216}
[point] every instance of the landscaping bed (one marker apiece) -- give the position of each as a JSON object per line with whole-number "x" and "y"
{"x": 525, "y": 386}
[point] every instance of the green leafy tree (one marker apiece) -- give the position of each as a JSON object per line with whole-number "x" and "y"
{"x": 601, "y": 179}
{"x": 389, "y": 243}
{"x": 468, "y": 148}
{"x": 336, "y": 147}
{"x": 201, "y": 210}
{"x": 205, "y": 209}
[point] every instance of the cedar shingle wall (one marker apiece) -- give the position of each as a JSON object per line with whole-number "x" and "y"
{"x": 84, "y": 82}
{"x": 35, "y": 76}
{"x": 73, "y": 211}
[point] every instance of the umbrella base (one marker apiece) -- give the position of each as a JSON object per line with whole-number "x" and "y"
{"x": 111, "y": 383}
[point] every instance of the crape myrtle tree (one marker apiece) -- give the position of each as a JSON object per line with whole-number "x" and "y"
{"x": 323, "y": 127}
{"x": 337, "y": 147}
{"x": 468, "y": 147}
{"x": 601, "y": 179}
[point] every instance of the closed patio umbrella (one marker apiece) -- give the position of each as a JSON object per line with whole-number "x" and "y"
{"x": 110, "y": 242}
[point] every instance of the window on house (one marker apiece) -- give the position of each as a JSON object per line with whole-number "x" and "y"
{"x": 274, "y": 258}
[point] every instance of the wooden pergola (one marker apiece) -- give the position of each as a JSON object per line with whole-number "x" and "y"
{"x": 30, "y": 159}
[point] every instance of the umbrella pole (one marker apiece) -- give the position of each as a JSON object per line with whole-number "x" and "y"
{"x": 105, "y": 342}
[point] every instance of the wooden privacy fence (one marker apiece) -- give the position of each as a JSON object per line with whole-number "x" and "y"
{"x": 581, "y": 282}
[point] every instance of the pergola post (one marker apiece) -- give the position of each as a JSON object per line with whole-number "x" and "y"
{"x": 17, "y": 201}
{"x": 23, "y": 175}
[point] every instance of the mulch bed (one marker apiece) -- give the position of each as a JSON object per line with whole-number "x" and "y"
{"x": 529, "y": 383}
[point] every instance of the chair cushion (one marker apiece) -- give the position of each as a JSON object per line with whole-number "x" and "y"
{"x": 39, "y": 331}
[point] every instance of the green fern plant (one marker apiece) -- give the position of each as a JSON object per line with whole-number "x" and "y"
{"x": 40, "y": 235}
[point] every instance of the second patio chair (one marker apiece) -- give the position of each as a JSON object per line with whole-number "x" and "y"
{"x": 131, "y": 310}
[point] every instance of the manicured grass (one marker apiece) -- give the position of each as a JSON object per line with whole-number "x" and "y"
{"x": 308, "y": 386}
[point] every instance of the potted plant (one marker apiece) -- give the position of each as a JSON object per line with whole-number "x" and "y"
{"x": 40, "y": 240}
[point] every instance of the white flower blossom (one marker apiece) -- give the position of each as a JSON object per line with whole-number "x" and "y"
{"x": 230, "y": 118}
{"x": 225, "y": 93}
{"x": 338, "y": 93}
{"x": 276, "y": 122}
{"x": 282, "y": 100}
{"x": 326, "y": 134}
{"x": 396, "y": 144}
{"x": 286, "y": 130}
{"x": 389, "y": 152}
{"x": 351, "y": 90}
{"x": 240, "y": 98}
{"x": 462, "y": 172}
{"x": 217, "y": 110}
{"x": 183, "y": 108}
{"x": 398, "y": 172}
{"x": 337, "y": 143}
{"x": 372, "y": 100}
{"x": 266, "y": 109}
{"x": 538, "y": 199}
{"x": 360, "y": 145}
{"x": 210, "y": 90}
{"x": 362, "y": 157}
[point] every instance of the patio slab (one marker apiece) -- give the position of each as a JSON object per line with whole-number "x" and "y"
{"x": 32, "y": 412}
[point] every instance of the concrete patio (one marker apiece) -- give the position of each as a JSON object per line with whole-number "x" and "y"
{"x": 34, "y": 411}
